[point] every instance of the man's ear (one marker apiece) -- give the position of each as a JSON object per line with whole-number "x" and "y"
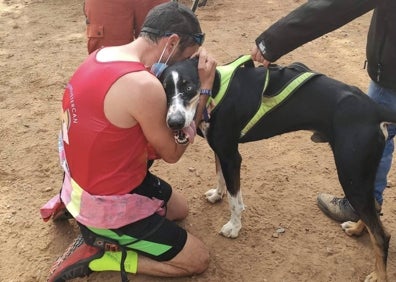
{"x": 174, "y": 39}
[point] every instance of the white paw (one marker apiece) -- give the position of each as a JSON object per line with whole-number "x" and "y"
{"x": 353, "y": 228}
{"x": 230, "y": 230}
{"x": 213, "y": 196}
{"x": 347, "y": 225}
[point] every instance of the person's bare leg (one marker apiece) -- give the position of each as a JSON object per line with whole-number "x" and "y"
{"x": 177, "y": 207}
{"x": 193, "y": 259}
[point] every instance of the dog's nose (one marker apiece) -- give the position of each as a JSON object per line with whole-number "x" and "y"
{"x": 176, "y": 121}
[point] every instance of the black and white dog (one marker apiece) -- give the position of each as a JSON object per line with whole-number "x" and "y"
{"x": 353, "y": 124}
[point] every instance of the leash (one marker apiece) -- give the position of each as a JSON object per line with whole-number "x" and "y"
{"x": 194, "y": 5}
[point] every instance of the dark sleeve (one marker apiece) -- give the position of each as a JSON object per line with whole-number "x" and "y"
{"x": 309, "y": 21}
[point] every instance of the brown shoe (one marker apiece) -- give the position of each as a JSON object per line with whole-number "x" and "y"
{"x": 74, "y": 262}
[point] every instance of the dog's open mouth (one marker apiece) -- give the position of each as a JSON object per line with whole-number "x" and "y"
{"x": 180, "y": 137}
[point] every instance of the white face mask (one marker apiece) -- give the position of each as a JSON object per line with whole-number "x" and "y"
{"x": 158, "y": 67}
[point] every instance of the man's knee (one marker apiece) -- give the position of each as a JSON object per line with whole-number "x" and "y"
{"x": 193, "y": 258}
{"x": 177, "y": 207}
{"x": 204, "y": 263}
{"x": 201, "y": 257}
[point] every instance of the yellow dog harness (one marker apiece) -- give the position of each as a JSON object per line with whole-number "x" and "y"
{"x": 226, "y": 73}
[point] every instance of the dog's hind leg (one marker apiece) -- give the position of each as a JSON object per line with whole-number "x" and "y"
{"x": 216, "y": 194}
{"x": 357, "y": 160}
{"x": 378, "y": 235}
{"x": 353, "y": 228}
{"x": 380, "y": 241}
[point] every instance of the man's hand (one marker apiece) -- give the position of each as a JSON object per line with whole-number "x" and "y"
{"x": 258, "y": 57}
{"x": 207, "y": 70}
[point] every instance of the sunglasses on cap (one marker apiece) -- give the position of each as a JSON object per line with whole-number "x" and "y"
{"x": 198, "y": 38}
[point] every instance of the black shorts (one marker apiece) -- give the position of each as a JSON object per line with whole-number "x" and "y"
{"x": 155, "y": 236}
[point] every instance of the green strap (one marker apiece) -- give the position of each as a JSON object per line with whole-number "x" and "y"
{"x": 226, "y": 73}
{"x": 269, "y": 103}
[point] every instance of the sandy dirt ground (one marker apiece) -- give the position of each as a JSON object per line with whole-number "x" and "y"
{"x": 41, "y": 44}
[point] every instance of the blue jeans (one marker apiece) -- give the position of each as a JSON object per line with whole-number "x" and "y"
{"x": 385, "y": 97}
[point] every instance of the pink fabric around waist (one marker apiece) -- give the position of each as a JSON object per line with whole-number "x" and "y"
{"x": 107, "y": 211}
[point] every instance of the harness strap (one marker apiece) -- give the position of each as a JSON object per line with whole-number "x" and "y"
{"x": 269, "y": 103}
{"x": 226, "y": 73}
{"x": 124, "y": 277}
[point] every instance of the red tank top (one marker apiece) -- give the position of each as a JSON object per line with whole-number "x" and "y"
{"x": 102, "y": 158}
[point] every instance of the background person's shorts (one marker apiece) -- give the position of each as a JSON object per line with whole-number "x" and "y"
{"x": 115, "y": 22}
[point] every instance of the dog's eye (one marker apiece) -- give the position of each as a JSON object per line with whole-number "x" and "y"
{"x": 187, "y": 86}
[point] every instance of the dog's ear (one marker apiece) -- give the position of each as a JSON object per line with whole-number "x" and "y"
{"x": 194, "y": 60}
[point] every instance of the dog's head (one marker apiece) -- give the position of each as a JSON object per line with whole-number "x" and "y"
{"x": 181, "y": 84}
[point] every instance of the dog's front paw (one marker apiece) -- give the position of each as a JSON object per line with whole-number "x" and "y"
{"x": 213, "y": 195}
{"x": 230, "y": 230}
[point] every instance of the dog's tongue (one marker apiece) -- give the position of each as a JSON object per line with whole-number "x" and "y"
{"x": 190, "y": 131}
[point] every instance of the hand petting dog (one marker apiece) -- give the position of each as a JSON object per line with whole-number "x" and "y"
{"x": 206, "y": 70}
